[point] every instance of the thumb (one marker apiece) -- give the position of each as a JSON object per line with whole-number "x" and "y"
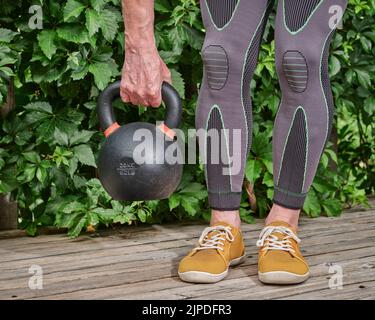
{"x": 167, "y": 75}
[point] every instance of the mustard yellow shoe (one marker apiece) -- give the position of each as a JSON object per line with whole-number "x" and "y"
{"x": 220, "y": 246}
{"x": 280, "y": 260}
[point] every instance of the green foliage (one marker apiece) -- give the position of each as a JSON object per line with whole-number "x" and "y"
{"x": 49, "y": 143}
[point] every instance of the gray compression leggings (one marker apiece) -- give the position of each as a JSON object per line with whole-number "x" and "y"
{"x": 234, "y": 31}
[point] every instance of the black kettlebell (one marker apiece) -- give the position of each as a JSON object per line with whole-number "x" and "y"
{"x": 119, "y": 172}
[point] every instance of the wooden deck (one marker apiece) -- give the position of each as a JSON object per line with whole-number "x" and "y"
{"x": 141, "y": 263}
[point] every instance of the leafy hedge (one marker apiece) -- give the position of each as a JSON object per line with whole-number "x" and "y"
{"x": 49, "y": 142}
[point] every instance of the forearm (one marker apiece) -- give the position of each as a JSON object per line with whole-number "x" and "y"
{"x": 144, "y": 71}
{"x": 139, "y": 24}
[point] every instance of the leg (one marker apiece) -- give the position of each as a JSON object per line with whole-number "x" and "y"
{"x": 234, "y": 30}
{"x": 233, "y": 34}
{"x": 302, "y": 127}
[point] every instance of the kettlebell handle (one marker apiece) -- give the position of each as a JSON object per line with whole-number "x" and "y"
{"x": 112, "y": 92}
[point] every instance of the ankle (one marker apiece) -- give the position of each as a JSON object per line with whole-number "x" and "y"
{"x": 231, "y": 217}
{"x": 279, "y": 213}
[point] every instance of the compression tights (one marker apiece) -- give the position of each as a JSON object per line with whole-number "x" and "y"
{"x": 234, "y": 29}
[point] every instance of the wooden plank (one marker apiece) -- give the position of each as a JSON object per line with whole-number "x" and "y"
{"x": 142, "y": 262}
{"x": 239, "y": 284}
{"x": 173, "y": 230}
{"x": 167, "y": 254}
{"x": 142, "y": 273}
{"x": 132, "y": 271}
{"x": 42, "y": 250}
{"x": 166, "y": 249}
{"x": 145, "y": 252}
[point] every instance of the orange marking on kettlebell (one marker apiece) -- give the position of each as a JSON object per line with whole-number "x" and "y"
{"x": 168, "y": 132}
{"x": 112, "y": 128}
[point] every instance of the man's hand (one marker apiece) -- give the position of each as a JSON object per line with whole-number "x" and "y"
{"x": 142, "y": 76}
{"x": 144, "y": 71}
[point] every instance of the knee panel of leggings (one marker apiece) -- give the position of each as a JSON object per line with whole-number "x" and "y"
{"x": 304, "y": 120}
{"x": 234, "y": 31}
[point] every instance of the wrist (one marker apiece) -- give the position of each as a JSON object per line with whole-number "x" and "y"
{"x": 140, "y": 41}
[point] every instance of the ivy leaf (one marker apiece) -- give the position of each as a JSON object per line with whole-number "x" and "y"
{"x": 273, "y": 104}
{"x": 253, "y": 170}
{"x": 190, "y": 204}
{"x": 46, "y": 42}
{"x": 74, "y": 33}
{"x": 31, "y": 229}
{"x": 334, "y": 66}
{"x": 369, "y": 105}
{"x": 72, "y": 168}
{"x": 93, "y": 218}
{"x": 349, "y": 75}
{"x": 193, "y": 37}
{"x": 41, "y": 106}
{"x": 162, "y": 6}
{"x": 142, "y": 215}
{"x": 268, "y": 180}
{"x": 76, "y": 230}
{"x": 178, "y": 83}
{"x": 92, "y": 22}
{"x": 81, "y": 137}
{"x": 32, "y": 157}
{"x": 363, "y": 78}
{"x": 41, "y": 174}
{"x": 73, "y": 9}
{"x": 7, "y": 35}
{"x": 65, "y": 220}
{"x": 108, "y": 24}
{"x": 332, "y": 207}
{"x": 173, "y": 201}
{"x": 80, "y": 73}
{"x": 270, "y": 193}
{"x": 267, "y": 161}
{"x": 102, "y": 74}
{"x": 312, "y": 205}
{"x": 324, "y": 160}
{"x": 98, "y": 4}
{"x": 105, "y": 215}
{"x": 122, "y": 218}
{"x": 366, "y": 44}
{"x": 246, "y": 215}
{"x": 332, "y": 154}
{"x": 60, "y": 137}
{"x": 73, "y": 206}
{"x": 261, "y": 145}
{"x": 28, "y": 174}
{"x": 84, "y": 155}
{"x": 192, "y": 188}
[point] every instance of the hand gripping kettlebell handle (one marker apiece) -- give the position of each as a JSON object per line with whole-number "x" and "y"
{"x": 112, "y": 92}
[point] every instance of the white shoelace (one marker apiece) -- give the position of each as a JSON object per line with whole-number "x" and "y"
{"x": 270, "y": 242}
{"x": 216, "y": 241}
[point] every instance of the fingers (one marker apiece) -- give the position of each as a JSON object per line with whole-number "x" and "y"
{"x": 148, "y": 92}
{"x": 150, "y": 98}
{"x": 124, "y": 96}
{"x": 129, "y": 95}
{"x": 168, "y": 76}
{"x": 123, "y": 92}
{"x": 154, "y": 97}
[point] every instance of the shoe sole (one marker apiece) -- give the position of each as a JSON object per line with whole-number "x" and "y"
{"x": 282, "y": 277}
{"x": 206, "y": 277}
